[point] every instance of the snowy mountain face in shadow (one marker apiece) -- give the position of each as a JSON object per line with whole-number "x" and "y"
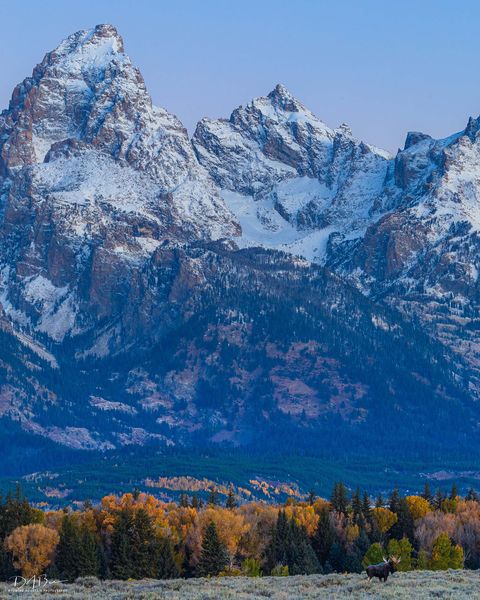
{"x": 271, "y": 278}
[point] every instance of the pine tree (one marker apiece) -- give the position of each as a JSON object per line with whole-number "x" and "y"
{"x": 438, "y": 499}
{"x": 231, "y": 501}
{"x": 353, "y": 562}
{"x": 379, "y": 502}
{"x": 404, "y": 527}
{"x": 453, "y": 492}
{"x": 445, "y": 555}
{"x": 166, "y": 566}
{"x": 214, "y": 556}
{"x": 15, "y": 511}
{"x": 68, "y": 550}
{"x": 336, "y": 558}
{"x": 366, "y": 507}
{"x": 276, "y": 552}
{"x": 373, "y": 555}
{"x": 472, "y": 495}
{"x": 311, "y": 497}
{"x": 301, "y": 558}
{"x": 183, "y": 500}
{"x": 427, "y": 495}
{"x": 121, "y": 566}
{"x": 339, "y": 499}
{"x": 324, "y": 537}
{"x": 213, "y": 496}
{"x": 402, "y": 549}
{"x": 394, "y": 500}
{"x": 89, "y": 558}
{"x": 362, "y": 544}
{"x": 142, "y": 546}
{"x": 356, "y": 505}
{"x": 195, "y": 502}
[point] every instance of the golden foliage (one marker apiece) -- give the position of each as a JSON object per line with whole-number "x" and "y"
{"x": 418, "y": 506}
{"x": 32, "y": 547}
{"x": 303, "y": 515}
{"x": 384, "y": 518}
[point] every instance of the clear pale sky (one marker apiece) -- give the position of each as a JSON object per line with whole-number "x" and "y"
{"x": 382, "y": 66}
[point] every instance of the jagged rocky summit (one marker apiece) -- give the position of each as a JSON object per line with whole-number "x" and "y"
{"x": 271, "y": 279}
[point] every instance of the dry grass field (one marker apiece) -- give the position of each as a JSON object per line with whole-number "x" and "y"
{"x": 454, "y": 585}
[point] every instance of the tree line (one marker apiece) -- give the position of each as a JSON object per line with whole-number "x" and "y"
{"x": 137, "y": 536}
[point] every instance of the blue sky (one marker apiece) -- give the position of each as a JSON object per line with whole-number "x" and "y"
{"x": 384, "y": 67}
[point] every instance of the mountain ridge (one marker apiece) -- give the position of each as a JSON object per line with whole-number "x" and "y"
{"x": 270, "y": 275}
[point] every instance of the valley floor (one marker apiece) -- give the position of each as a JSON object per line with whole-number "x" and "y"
{"x": 454, "y": 585}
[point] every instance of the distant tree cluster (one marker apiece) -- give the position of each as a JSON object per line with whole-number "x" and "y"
{"x": 137, "y": 536}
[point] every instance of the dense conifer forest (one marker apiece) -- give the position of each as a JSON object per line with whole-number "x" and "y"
{"x": 137, "y": 536}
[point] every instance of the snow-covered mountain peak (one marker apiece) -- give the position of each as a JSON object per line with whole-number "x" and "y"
{"x": 290, "y": 179}
{"x": 99, "y": 46}
{"x": 85, "y": 156}
{"x": 282, "y": 98}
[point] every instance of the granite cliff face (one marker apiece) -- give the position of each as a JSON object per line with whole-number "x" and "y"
{"x": 402, "y": 229}
{"x": 271, "y": 279}
{"x": 94, "y": 179}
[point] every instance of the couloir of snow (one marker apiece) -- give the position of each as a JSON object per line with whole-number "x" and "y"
{"x": 290, "y": 180}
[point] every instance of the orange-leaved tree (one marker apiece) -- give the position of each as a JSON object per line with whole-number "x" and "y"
{"x": 418, "y": 506}
{"x": 32, "y": 547}
{"x": 384, "y": 518}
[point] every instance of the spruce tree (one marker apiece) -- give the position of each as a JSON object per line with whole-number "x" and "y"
{"x": 472, "y": 495}
{"x": 324, "y": 536}
{"x": 143, "y": 546}
{"x": 394, "y": 500}
{"x": 68, "y": 550}
{"x": 276, "y": 552}
{"x": 339, "y": 499}
{"x": 356, "y": 505}
{"x": 15, "y": 511}
{"x": 366, "y": 507}
{"x": 89, "y": 557}
{"x": 166, "y": 566}
{"x": 214, "y": 556}
{"x": 231, "y": 501}
{"x": 121, "y": 566}
{"x": 336, "y": 558}
{"x": 438, "y": 499}
{"x": 454, "y": 492}
{"x": 404, "y": 527}
{"x": 301, "y": 558}
{"x": 427, "y": 494}
{"x": 213, "y": 496}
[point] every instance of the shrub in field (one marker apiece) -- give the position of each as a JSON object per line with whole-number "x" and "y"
{"x": 251, "y": 568}
{"x": 280, "y": 571}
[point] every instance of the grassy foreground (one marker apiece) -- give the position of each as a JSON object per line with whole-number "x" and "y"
{"x": 454, "y": 585}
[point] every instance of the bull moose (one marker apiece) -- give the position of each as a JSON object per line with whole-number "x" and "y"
{"x": 382, "y": 570}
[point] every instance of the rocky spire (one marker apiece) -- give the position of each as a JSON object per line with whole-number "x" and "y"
{"x": 282, "y": 98}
